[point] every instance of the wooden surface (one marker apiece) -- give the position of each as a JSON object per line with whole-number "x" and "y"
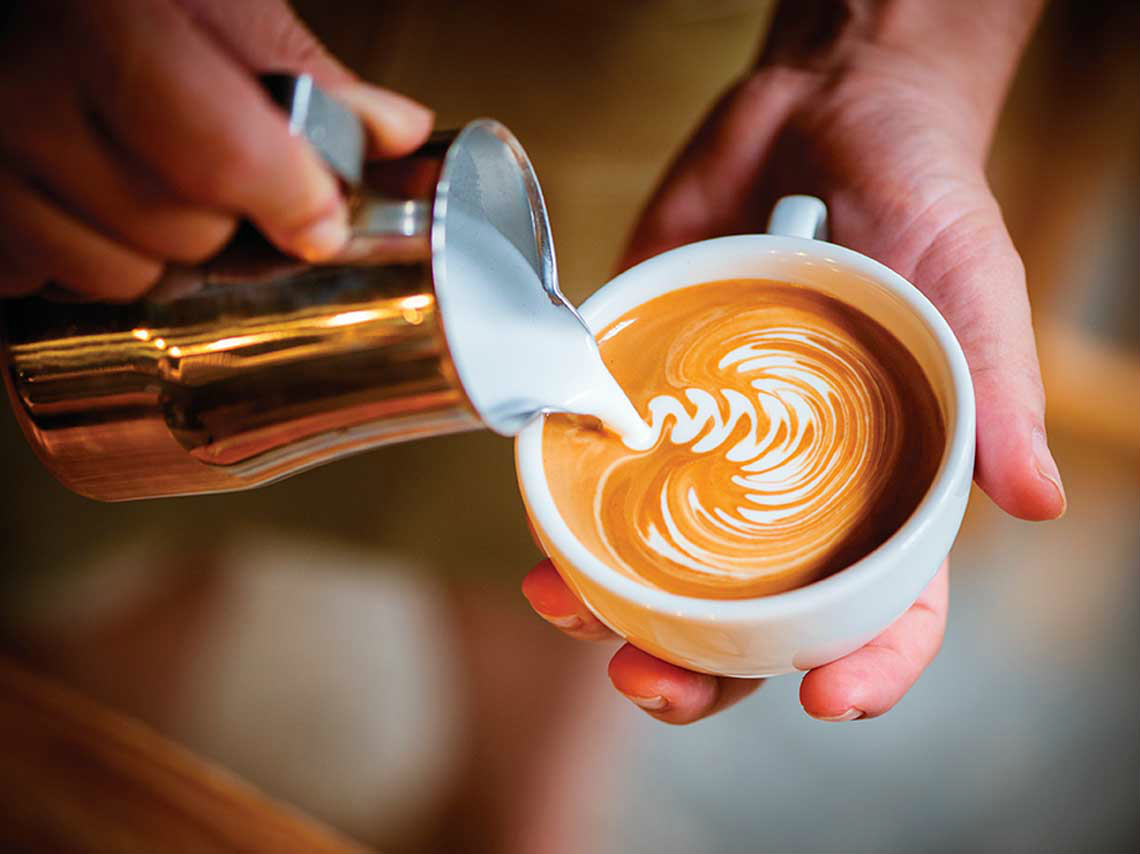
{"x": 76, "y": 776}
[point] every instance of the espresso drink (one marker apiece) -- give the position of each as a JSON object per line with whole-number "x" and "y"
{"x": 791, "y": 436}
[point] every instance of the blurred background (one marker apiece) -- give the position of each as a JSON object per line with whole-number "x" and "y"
{"x": 352, "y": 644}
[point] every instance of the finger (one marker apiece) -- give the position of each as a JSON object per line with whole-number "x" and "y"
{"x": 168, "y": 93}
{"x": 266, "y": 35}
{"x": 396, "y": 125}
{"x": 91, "y": 178}
{"x": 42, "y": 243}
{"x": 670, "y": 693}
{"x": 973, "y": 273}
{"x": 869, "y": 681}
{"x": 15, "y": 283}
{"x": 552, "y": 600}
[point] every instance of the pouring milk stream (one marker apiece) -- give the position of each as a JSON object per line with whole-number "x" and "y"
{"x": 519, "y": 347}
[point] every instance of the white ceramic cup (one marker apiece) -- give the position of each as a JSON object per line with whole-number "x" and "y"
{"x": 825, "y": 620}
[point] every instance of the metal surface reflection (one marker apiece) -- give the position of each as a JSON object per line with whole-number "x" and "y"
{"x": 236, "y": 376}
{"x": 257, "y": 365}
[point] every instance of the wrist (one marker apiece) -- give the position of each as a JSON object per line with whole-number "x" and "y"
{"x": 963, "y": 53}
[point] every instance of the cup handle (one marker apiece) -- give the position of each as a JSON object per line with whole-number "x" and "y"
{"x": 799, "y": 216}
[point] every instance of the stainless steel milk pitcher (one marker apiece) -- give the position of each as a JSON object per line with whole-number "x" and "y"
{"x": 255, "y": 365}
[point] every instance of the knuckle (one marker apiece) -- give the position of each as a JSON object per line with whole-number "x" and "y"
{"x": 237, "y": 162}
{"x": 269, "y": 179}
{"x": 233, "y": 172}
{"x": 291, "y": 44}
{"x": 1016, "y": 263}
{"x": 295, "y": 44}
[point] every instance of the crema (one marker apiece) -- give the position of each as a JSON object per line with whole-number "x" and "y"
{"x": 790, "y": 436}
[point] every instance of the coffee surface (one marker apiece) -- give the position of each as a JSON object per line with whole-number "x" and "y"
{"x": 792, "y": 435}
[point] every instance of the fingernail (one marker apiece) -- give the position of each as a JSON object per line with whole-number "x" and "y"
{"x": 570, "y": 622}
{"x": 325, "y": 237}
{"x": 650, "y": 704}
{"x": 1047, "y": 466}
{"x": 849, "y": 715}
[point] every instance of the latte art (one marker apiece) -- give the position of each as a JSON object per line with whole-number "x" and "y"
{"x": 813, "y": 436}
{"x": 791, "y": 435}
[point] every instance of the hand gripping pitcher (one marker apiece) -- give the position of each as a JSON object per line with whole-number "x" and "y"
{"x": 442, "y": 313}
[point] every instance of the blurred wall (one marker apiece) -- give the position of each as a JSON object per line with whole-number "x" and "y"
{"x": 1024, "y": 735}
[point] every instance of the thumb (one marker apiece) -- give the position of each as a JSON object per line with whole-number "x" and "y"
{"x": 710, "y": 188}
{"x": 972, "y": 271}
{"x": 266, "y": 35}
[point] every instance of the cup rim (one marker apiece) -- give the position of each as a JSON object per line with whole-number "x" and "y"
{"x": 956, "y": 464}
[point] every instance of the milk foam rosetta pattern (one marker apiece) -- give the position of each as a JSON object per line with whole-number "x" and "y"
{"x": 806, "y": 436}
{"x": 789, "y": 436}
